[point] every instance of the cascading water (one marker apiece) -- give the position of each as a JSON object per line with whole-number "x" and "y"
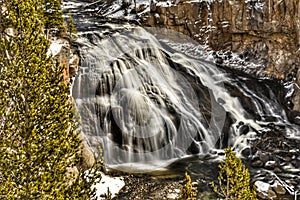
{"x": 145, "y": 103}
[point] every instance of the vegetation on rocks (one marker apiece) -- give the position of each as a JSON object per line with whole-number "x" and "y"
{"x": 187, "y": 190}
{"x": 40, "y": 146}
{"x": 234, "y": 179}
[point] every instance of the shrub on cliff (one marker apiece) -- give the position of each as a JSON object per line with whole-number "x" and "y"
{"x": 234, "y": 179}
{"x": 39, "y": 146}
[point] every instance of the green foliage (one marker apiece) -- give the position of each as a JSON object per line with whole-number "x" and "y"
{"x": 53, "y": 15}
{"x": 39, "y": 146}
{"x": 234, "y": 179}
{"x": 71, "y": 25}
{"x": 187, "y": 190}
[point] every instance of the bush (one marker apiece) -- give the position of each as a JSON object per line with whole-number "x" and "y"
{"x": 187, "y": 190}
{"x": 234, "y": 179}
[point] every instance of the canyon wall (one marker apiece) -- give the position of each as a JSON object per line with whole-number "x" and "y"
{"x": 264, "y": 31}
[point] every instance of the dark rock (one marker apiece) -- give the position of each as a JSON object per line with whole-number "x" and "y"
{"x": 296, "y": 163}
{"x": 277, "y": 170}
{"x": 264, "y": 157}
{"x": 246, "y": 152}
{"x": 244, "y": 129}
{"x": 257, "y": 163}
{"x": 270, "y": 164}
{"x": 294, "y": 116}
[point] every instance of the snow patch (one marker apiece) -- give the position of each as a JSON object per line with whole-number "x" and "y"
{"x": 208, "y": 1}
{"x": 113, "y": 184}
{"x": 262, "y": 187}
{"x": 71, "y": 5}
{"x": 55, "y": 47}
{"x": 164, "y": 4}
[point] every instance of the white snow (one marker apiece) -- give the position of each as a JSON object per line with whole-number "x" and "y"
{"x": 71, "y": 5}
{"x": 114, "y": 184}
{"x": 55, "y": 47}
{"x": 262, "y": 187}
{"x": 169, "y": 3}
{"x": 164, "y": 3}
{"x": 208, "y": 1}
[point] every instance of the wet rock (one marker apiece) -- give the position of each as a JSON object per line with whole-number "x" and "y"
{"x": 246, "y": 152}
{"x": 257, "y": 163}
{"x": 277, "y": 170}
{"x": 291, "y": 169}
{"x": 264, "y": 157}
{"x": 285, "y": 158}
{"x": 294, "y": 116}
{"x": 296, "y": 163}
{"x": 277, "y": 187}
{"x": 195, "y": 184}
{"x": 270, "y": 164}
{"x": 271, "y": 194}
{"x": 244, "y": 129}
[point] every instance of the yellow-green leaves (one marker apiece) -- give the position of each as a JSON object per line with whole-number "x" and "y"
{"x": 187, "y": 190}
{"x": 38, "y": 131}
{"x": 233, "y": 179}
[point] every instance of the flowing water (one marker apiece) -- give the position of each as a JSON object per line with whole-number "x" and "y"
{"x": 146, "y": 103}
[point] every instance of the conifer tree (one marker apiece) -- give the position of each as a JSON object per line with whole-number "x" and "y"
{"x": 39, "y": 139}
{"x": 234, "y": 179}
{"x": 53, "y": 15}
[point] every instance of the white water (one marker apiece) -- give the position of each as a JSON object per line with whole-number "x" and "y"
{"x": 146, "y": 105}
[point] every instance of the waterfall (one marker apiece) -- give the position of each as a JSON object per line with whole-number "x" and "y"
{"x": 145, "y": 103}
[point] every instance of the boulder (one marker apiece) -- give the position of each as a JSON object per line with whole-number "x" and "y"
{"x": 264, "y": 190}
{"x": 278, "y": 188}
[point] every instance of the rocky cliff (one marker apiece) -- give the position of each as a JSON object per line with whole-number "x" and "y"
{"x": 264, "y": 31}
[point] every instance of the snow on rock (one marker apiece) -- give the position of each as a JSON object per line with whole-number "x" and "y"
{"x": 71, "y": 5}
{"x": 55, "y": 47}
{"x": 114, "y": 184}
{"x": 164, "y": 3}
{"x": 262, "y": 187}
{"x": 169, "y": 3}
{"x": 264, "y": 190}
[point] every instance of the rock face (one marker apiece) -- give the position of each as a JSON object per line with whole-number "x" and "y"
{"x": 267, "y": 31}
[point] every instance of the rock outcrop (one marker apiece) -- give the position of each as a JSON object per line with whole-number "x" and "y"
{"x": 264, "y": 31}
